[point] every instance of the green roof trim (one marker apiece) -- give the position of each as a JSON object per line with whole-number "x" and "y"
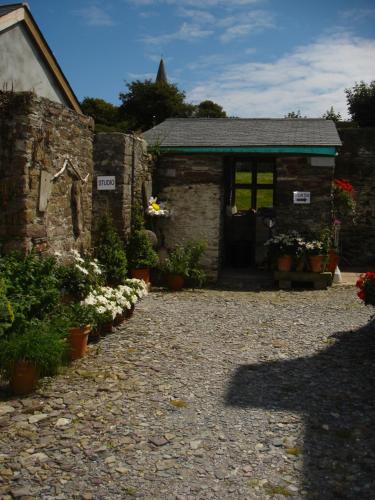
{"x": 311, "y": 150}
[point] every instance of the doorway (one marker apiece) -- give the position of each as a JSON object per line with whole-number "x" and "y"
{"x": 250, "y": 200}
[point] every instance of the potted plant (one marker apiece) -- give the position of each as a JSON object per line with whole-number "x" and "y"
{"x": 109, "y": 251}
{"x": 141, "y": 256}
{"x": 81, "y": 319}
{"x": 38, "y": 348}
{"x": 366, "y": 285}
{"x": 316, "y": 255}
{"x": 176, "y": 267}
{"x": 283, "y": 247}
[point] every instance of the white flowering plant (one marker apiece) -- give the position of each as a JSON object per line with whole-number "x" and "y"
{"x": 111, "y": 302}
{"x": 157, "y": 209}
{"x": 77, "y": 274}
{"x": 285, "y": 244}
{"x": 315, "y": 247}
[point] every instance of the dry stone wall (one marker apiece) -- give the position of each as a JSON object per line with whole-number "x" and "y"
{"x": 193, "y": 187}
{"x": 356, "y": 163}
{"x": 46, "y": 175}
{"x": 125, "y": 158}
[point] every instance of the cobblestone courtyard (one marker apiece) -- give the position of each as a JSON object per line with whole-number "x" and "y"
{"x": 206, "y": 394}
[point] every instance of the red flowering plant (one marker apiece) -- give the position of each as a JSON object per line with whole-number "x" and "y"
{"x": 366, "y": 285}
{"x": 344, "y": 204}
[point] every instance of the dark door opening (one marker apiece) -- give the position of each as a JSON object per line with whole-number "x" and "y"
{"x": 250, "y": 196}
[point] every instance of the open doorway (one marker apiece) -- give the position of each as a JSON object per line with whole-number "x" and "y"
{"x": 250, "y": 199}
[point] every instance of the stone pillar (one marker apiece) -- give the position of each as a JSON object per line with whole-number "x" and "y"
{"x": 125, "y": 158}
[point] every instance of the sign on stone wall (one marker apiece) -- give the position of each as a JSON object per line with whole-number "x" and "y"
{"x": 106, "y": 182}
{"x": 301, "y": 197}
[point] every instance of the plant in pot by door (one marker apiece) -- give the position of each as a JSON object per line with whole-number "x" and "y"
{"x": 141, "y": 256}
{"x": 176, "y": 267}
{"x": 282, "y": 248}
{"x": 315, "y": 255}
{"x": 35, "y": 349}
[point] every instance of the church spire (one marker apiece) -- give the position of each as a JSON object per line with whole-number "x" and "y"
{"x": 161, "y": 77}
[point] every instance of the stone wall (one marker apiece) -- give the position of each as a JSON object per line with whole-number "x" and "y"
{"x": 125, "y": 158}
{"x": 193, "y": 187}
{"x": 37, "y": 136}
{"x": 356, "y": 163}
{"x": 301, "y": 173}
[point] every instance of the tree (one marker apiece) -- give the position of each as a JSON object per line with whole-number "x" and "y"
{"x": 209, "y": 109}
{"x": 147, "y": 103}
{"x": 294, "y": 114}
{"x": 361, "y": 103}
{"x": 106, "y": 115}
{"x": 331, "y": 114}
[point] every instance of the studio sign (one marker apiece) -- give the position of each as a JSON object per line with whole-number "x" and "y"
{"x": 301, "y": 197}
{"x": 106, "y": 182}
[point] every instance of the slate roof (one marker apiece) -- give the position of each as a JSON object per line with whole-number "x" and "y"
{"x": 242, "y": 132}
{"x": 5, "y": 9}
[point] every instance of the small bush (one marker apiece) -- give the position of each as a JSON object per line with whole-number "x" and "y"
{"x": 184, "y": 260}
{"x": 139, "y": 251}
{"x": 110, "y": 252}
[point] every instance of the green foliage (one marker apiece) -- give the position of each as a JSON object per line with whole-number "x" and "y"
{"x": 40, "y": 342}
{"x": 78, "y": 277}
{"x": 331, "y": 114}
{"x": 209, "y": 109}
{"x": 140, "y": 252}
{"x": 147, "y": 103}
{"x": 32, "y": 285}
{"x": 107, "y": 116}
{"x": 361, "y": 103}
{"x": 294, "y": 114}
{"x": 78, "y": 315}
{"x": 184, "y": 260}
{"x": 138, "y": 221}
{"x": 110, "y": 252}
{"x": 6, "y": 310}
{"x": 177, "y": 262}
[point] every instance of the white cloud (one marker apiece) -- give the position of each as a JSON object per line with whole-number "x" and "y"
{"x": 197, "y": 3}
{"x": 244, "y": 24}
{"x": 94, "y": 16}
{"x": 187, "y": 32}
{"x": 311, "y": 78}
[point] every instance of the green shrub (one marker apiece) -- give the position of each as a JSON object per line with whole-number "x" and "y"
{"x": 40, "y": 342}
{"x": 32, "y": 285}
{"x": 184, "y": 260}
{"x": 140, "y": 252}
{"x": 110, "y": 252}
{"x": 79, "y": 276}
{"x": 6, "y": 310}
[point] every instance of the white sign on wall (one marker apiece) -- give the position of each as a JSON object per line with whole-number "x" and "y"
{"x": 106, "y": 182}
{"x": 301, "y": 197}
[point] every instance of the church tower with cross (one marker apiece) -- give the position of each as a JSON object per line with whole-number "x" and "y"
{"x": 161, "y": 76}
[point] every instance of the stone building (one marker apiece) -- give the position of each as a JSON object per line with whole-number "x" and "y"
{"x": 226, "y": 180}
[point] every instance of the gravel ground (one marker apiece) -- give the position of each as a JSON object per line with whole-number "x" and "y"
{"x": 206, "y": 394}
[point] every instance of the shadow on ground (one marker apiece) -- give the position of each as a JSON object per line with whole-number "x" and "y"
{"x": 335, "y": 392}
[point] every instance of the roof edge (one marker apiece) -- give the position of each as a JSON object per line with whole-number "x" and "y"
{"x": 311, "y": 150}
{"x": 23, "y": 14}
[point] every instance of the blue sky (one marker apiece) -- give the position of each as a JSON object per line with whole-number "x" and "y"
{"x": 254, "y": 57}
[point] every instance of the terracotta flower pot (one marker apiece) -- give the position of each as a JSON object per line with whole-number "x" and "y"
{"x": 175, "y": 282}
{"x": 78, "y": 341}
{"x": 129, "y": 312}
{"x": 106, "y": 327}
{"x": 24, "y": 378}
{"x": 284, "y": 263}
{"x": 316, "y": 263}
{"x": 141, "y": 274}
{"x": 333, "y": 261}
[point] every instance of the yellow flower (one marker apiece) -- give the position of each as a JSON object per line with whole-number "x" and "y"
{"x": 155, "y": 206}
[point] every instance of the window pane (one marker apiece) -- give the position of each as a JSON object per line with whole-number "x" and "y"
{"x": 243, "y": 199}
{"x": 264, "y": 198}
{"x": 243, "y": 177}
{"x": 243, "y": 173}
{"x": 265, "y": 172}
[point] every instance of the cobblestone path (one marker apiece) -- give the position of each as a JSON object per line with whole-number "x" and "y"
{"x": 206, "y": 394}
